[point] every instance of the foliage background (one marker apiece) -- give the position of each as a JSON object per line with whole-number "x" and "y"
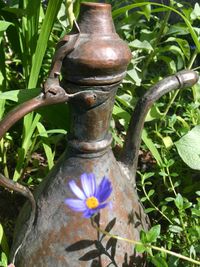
{"x": 162, "y": 42}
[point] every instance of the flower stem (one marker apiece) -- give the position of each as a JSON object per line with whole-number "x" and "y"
{"x": 147, "y": 245}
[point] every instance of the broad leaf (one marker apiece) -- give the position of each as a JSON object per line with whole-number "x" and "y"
{"x": 196, "y": 12}
{"x": 175, "y": 229}
{"x": 179, "y": 201}
{"x": 141, "y": 45}
{"x": 4, "y": 25}
{"x": 189, "y": 148}
{"x": 158, "y": 261}
{"x": 21, "y": 95}
{"x": 153, "y": 234}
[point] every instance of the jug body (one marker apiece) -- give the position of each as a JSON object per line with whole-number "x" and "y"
{"x": 91, "y": 72}
{"x": 57, "y": 227}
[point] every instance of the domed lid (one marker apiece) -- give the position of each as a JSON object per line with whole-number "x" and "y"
{"x": 100, "y": 56}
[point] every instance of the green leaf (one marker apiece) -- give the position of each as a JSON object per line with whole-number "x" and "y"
{"x": 46, "y": 145}
{"x": 50, "y": 16}
{"x": 151, "y": 146}
{"x": 141, "y": 45}
{"x": 158, "y": 261}
{"x": 17, "y": 11}
{"x": 21, "y": 95}
{"x": 3, "y": 241}
{"x": 195, "y": 14}
{"x": 154, "y": 113}
{"x": 121, "y": 113}
{"x": 4, "y": 260}
{"x": 148, "y": 210}
{"x": 153, "y": 234}
{"x": 183, "y": 44}
{"x": 4, "y": 25}
{"x": 169, "y": 199}
{"x": 196, "y": 212}
{"x": 196, "y": 92}
{"x": 198, "y": 193}
{"x": 140, "y": 248}
{"x": 167, "y": 142}
{"x": 2, "y": 108}
{"x": 189, "y": 149}
{"x": 179, "y": 201}
{"x": 170, "y": 63}
{"x": 173, "y": 49}
{"x": 151, "y": 192}
{"x": 133, "y": 75}
{"x": 175, "y": 229}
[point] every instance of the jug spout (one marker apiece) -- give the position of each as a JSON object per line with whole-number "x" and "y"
{"x": 129, "y": 155}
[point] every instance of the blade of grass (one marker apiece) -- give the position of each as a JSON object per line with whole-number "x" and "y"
{"x": 3, "y": 241}
{"x": 46, "y": 145}
{"x": 50, "y": 16}
{"x": 22, "y": 152}
{"x": 31, "y": 120}
{"x": 154, "y": 151}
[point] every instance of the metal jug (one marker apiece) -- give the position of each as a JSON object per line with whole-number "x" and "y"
{"x": 93, "y": 61}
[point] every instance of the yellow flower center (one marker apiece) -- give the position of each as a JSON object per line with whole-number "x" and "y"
{"x": 92, "y": 202}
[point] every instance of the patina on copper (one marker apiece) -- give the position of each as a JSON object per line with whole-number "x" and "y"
{"x": 93, "y": 61}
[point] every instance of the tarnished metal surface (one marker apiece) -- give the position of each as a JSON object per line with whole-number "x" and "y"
{"x": 57, "y": 227}
{"x": 99, "y": 57}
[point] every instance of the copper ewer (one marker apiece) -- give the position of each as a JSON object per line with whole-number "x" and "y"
{"x": 93, "y": 61}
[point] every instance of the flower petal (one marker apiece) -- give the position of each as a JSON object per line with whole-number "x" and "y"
{"x": 104, "y": 190}
{"x": 92, "y": 178}
{"x": 76, "y": 204}
{"x": 101, "y": 206}
{"x": 88, "y": 213}
{"x": 76, "y": 190}
{"x": 88, "y": 184}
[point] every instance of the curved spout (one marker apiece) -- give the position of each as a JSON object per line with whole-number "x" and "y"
{"x": 131, "y": 147}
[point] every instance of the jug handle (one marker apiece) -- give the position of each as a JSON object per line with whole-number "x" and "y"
{"x": 130, "y": 151}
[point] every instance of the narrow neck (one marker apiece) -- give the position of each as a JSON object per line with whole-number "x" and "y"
{"x": 96, "y": 18}
{"x": 89, "y": 131}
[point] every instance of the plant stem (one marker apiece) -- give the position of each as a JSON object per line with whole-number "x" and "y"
{"x": 180, "y": 213}
{"x": 149, "y": 246}
{"x": 170, "y": 180}
{"x": 156, "y": 208}
{"x": 191, "y": 62}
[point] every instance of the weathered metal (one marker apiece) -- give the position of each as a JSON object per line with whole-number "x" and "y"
{"x": 93, "y": 61}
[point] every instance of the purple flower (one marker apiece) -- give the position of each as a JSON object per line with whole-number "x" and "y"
{"x": 90, "y": 198}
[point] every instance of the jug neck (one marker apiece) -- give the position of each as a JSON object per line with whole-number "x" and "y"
{"x": 95, "y": 18}
{"x": 90, "y": 122}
